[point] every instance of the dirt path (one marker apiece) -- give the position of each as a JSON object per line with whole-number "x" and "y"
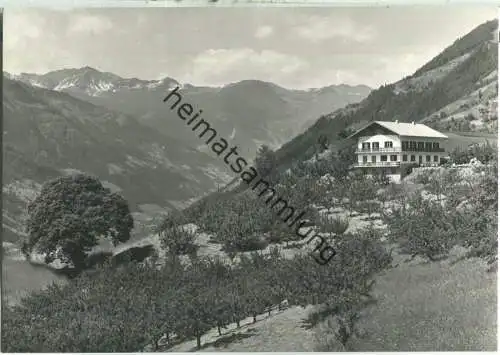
{"x": 283, "y": 331}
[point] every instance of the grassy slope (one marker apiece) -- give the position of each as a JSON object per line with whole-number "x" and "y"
{"x": 422, "y": 307}
{"x": 283, "y": 331}
{"x": 433, "y": 306}
{"x": 464, "y": 139}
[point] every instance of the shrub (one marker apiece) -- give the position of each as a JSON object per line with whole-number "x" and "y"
{"x": 336, "y": 332}
{"x": 381, "y": 179}
{"x": 478, "y": 226}
{"x": 423, "y": 178}
{"x": 246, "y": 243}
{"x": 334, "y": 225}
{"x": 470, "y": 117}
{"x": 281, "y": 232}
{"x": 178, "y": 240}
{"x": 293, "y": 245}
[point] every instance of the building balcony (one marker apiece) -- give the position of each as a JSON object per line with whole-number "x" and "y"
{"x": 429, "y": 164}
{"x": 379, "y": 164}
{"x": 424, "y": 150}
{"x": 378, "y": 150}
{"x": 399, "y": 150}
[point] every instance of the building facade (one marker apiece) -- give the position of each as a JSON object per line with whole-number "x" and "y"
{"x": 392, "y": 147}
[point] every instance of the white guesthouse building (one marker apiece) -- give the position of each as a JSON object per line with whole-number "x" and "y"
{"x": 393, "y": 147}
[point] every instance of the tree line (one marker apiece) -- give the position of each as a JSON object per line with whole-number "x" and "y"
{"x": 128, "y": 308}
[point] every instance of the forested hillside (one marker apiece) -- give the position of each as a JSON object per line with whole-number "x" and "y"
{"x": 475, "y": 58}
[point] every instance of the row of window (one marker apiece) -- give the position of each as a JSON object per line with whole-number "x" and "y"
{"x": 413, "y": 145}
{"x": 395, "y": 158}
{"x": 405, "y": 145}
{"x": 375, "y": 146}
{"x": 420, "y": 158}
{"x": 382, "y": 158}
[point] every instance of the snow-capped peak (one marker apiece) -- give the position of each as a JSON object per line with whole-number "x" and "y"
{"x": 92, "y": 87}
{"x": 90, "y": 81}
{"x": 171, "y": 84}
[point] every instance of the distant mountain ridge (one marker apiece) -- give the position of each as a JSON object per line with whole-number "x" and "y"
{"x": 84, "y": 120}
{"x": 87, "y": 80}
{"x": 254, "y": 112}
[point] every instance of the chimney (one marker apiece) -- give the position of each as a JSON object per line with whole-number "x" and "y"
{"x": 412, "y": 122}
{"x": 396, "y": 121}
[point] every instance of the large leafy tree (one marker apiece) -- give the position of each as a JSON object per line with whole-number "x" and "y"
{"x": 70, "y": 214}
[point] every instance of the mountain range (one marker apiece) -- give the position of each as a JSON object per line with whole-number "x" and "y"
{"x": 250, "y": 112}
{"x": 120, "y": 130}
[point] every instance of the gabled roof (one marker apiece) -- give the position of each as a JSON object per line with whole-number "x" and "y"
{"x": 405, "y": 129}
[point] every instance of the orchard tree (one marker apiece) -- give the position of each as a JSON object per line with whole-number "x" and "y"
{"x": 178, "y": 240}
{"x": 70, "y": 214}
{"x": 197, "y": 304}
{"x": 218, "y": 277}
{"x": 358, "y": 189}
{"x": 422, "y": 227}
{"x": 239, "y": 233}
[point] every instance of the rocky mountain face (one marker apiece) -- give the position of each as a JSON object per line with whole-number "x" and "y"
{"x": 121, "y": 131}
{"x": 87, "y": 81}
{"x": 454, "y": 92}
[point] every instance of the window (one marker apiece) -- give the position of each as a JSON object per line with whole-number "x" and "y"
{"x": 365, "y": 159}
{"x": 383, "y": 158}
{"x": 436, "y": 158}
{"x": 374, "y": 159}
{"x": 404, "y": 145}
{"x": 413, "y": 145}
{"x": 394, "y": 158}
{"x": 420, "y": 146}
{"x": 435, "y": 145}
{"x": 428, "y": 146}
{"x": 428, "y": 158}
{"x": 405, "y": 157}
{"x": 420, "y": 158}
{"x": 365, "y": 146}
{"x": 375, "y": 146}
{"x": 388, "y": 144}
{"x": 412, "y": 158}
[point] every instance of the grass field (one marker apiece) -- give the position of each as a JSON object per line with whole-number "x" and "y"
{"x": 464, "y": 139}
{"x": 433, "y": 306}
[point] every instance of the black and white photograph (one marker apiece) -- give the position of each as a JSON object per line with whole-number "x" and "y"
{"x": 249, "y": 179}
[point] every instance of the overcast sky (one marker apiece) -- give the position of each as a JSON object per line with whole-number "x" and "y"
{"x": 292, "y": 47}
